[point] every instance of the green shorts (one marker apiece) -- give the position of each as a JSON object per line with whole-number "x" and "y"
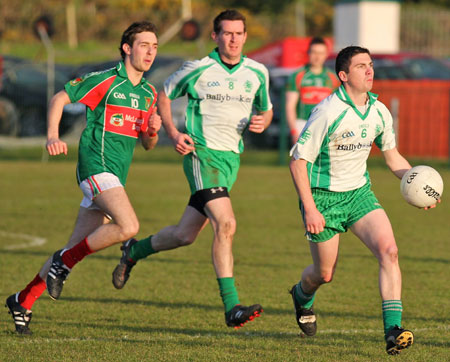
{"x": 341, "y": 209}
{"x": 206, "y": 168}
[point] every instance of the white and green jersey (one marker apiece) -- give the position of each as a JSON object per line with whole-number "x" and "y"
{"x": 220, "y": 100}
{"x": 337, "y": 140}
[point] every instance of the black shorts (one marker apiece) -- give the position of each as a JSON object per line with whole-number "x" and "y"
{"x": 201, "y": 197}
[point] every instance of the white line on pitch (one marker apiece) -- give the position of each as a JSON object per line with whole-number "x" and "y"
{"x": 31, "y": 240}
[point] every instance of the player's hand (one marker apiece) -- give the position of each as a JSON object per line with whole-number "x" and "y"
{"x": 256, "y": 124}
{"x": 432, "y": 206}
{"x": 154, "y": 122}
{"x": 183, "y": 143}
{"x": 315, "y": 222}
{"x": 55, "y": 146}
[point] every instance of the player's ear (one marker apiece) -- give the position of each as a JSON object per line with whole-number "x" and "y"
{"x": 342, "y": 76}
{"x": 126, "y": 48}
{"x": 213, "y": 35}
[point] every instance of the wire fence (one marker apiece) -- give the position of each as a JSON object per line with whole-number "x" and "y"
{"x": 425, "y": 29}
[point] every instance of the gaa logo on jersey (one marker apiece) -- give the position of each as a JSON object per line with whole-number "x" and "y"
{"x": 117, "y": 120}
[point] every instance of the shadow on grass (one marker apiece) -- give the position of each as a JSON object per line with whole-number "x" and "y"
{"x": 160, "y": 259}
{"x": 219, "y": 308}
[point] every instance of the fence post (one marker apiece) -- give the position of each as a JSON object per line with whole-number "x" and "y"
{"x": 50, "y": 73}
{"x": 395, "y": 105}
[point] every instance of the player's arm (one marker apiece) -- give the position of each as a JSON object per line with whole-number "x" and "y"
{"x": 291, "y": 113}
{"x": 182, "y": 142}
{"x": 54, "y": 145}
{"x": 399, "y": 166}
{"x": 259, "y": 122}
{"x": 150, "y": 137}
{"x": 396, "y": 162}
{"x": 314, "y": 220}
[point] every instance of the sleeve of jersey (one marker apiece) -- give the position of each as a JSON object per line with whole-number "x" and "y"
{"x": 89, "y": 89}
{"x": 335, "y": 83}
{"x": 291, "y": 85}
{"x": 179, "y": 82}
{"x": 310, "y": 140}
{"x": 386, "y": 140}
{"x": 262, "y": 98}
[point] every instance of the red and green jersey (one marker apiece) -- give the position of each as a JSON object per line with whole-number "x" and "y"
{"x": 114, "y": 108}
{"x": 312, "y": 88}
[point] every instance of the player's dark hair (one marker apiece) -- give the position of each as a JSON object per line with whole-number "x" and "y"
{"x": 129, "y": 34}
{"x": 344, "y": 58}
{"x": 316, "y": 40}
{"x": 228, "y": 15}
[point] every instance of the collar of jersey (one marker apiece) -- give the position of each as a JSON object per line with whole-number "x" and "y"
{"x": 216, "y": 56}
{"x": 122, "y": 72}
{"x": 344, "y": 97}
{"x": 307, "y": 68}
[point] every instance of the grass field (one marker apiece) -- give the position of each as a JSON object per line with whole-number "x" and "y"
{"x": 170, "y": 310}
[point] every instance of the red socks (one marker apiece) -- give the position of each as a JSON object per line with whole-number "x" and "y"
{"x": 76, "y": 254}
{"x": 36, "y": 287}
{"x": 32, "y": 292}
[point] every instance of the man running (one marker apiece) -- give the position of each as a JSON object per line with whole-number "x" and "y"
{"x": 222, "y": 89}
{"x": 120, "y": 109}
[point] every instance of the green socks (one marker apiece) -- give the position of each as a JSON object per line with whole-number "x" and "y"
{"x": 142, "y": 249}
{"x": 228, "y": 293}
{"x": 392, "y": 314}
{"x": 305, "y": 300}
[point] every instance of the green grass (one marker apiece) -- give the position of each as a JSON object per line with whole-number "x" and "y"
{"x": 170, "y": 310}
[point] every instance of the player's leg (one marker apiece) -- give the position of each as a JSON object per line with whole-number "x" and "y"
{"x": 115, "y": 203}
{"x": 20, "y": 303}
{"x": 223, "y": 222}
{"x": 325, "y": 256}
{"x": 221, "y": 216}
{"x": 324, "y": 248}
{"x": 182, "y": 234}
{"x": 88, "y": 220}
{"x": 171, "y": 237}
{"x": 375, "y": 231}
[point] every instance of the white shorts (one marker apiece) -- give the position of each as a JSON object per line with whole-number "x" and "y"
{"x": 94, "y": 185}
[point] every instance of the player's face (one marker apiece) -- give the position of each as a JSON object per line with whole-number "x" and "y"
{"x": 360, "y": 75}
{"x": 143, "y": 52}
{"x": 318, "y": 53}
{"x": 230, "y": 40}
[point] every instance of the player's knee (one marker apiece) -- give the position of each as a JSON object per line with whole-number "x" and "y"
{"x": 323, "y": 276}
{"x": 129, "y": 230}
{"x": 227, "y": 227}
{"x": 183, "y": 238}
{"x": 389, "y": 254}
{"x": 326, "y": 277}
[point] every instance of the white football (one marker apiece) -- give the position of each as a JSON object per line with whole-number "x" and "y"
{"x": 422, "y": 186}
